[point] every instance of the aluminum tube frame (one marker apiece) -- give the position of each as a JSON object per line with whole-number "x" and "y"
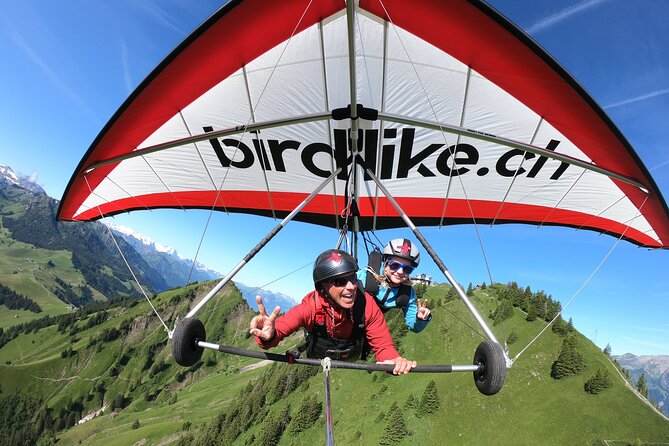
{"x": 210, "y": 135}
{"x": 350, "y": 25}
{"x": 260, "y": 245}
{"x": 329, "y": 427}
{"x": 399, "y": 119}
{"x": 370, "y": 367}
{"x": 454, "y": 283}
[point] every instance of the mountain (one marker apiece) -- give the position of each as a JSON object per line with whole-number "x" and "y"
{"x": 656, "y": 371}
{"x": 115, "y": 360}
{"x": 8, "y": 177}
{"x": 269, "y": 298}
{"x": 95, "y": 270}
{"x": 175, "y": 269}
{"x": 70, "y": 262}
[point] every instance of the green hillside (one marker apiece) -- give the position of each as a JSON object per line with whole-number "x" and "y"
{"x": 25, "y": 269}
{"x": 119, "y": 358}
{"x": 59, "y": 265}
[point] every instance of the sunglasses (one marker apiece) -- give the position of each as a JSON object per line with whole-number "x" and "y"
{"x": 394, "y": 266}
{"x": 344, "y": 280}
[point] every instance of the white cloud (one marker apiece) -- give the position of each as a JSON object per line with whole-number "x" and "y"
{"x": 159, "y": 14}
{"x": 126, "y": 67}
{"x": 643, "y": 97}
{"x": 662, "y": 164}
{"x": 46, "y": 69}
{"x": 659, "y": 345}
{"x": 563, "y": 15}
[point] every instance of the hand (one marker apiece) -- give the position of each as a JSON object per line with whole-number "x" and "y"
{"x": 423, "y": 311}
{"x": 262, "y": 325}
{"x": 402, "y": 365}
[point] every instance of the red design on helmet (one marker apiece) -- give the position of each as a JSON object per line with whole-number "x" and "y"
{"x": 335, "y": 257}
{"x": 332, "y": 263}
{"x": 404, "y": 248}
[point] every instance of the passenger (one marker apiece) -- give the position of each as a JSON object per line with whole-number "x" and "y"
{"x": 395, "y": 289}
{"x": 338, "y": 317}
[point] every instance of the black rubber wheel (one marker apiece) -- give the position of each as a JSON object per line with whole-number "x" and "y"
{"x": 489, "y": 357}
{"x": 185, "y": 350}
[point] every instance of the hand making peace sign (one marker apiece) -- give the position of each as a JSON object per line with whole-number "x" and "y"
{"x": 423, "y": 311}
{"x": 262, "y": 325}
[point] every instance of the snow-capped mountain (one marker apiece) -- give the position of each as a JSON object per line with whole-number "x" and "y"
{"x": 269, "y": 298}
{"x": 174, "y": 268}
{"x": 9, "y": 177}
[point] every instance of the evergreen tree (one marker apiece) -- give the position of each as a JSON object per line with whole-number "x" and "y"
{"x": 531, "y": 311}
{"x": 607, "y": 350}
{"x": 451, "y": 295}
{"x": 420, "y": 289}
{"x": 273, "y": 428}
{"x": 307, "y": 414}
{"x": 411, "y": 402}
{"x": 396, "y": 429}
{"x": 598, "y": 382}
{"x": 429, "y": 402}
{"x": 570, "y": 360}
{"x": 503, "y": 312}
{"x": 135, "y": 425}
{"x": 553, "y": 310}
{"x": 470, "y": 290}
{"x": 560, "y": 326}
{"x": 641, "y": 385}
{"x": 513, "y": 337}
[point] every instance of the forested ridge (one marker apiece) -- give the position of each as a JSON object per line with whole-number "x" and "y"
{"x": 16, "y": 301}
{"x": 28, "y": 221}
{"x": 116, "y": 356}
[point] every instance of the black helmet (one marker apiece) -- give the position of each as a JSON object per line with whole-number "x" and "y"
{"x": 333, "y": 262}
{"x": 402, "y": 247}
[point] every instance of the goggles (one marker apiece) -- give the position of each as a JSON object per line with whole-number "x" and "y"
{"x": 395, "y": 266}
{"x": 344, "y": 280}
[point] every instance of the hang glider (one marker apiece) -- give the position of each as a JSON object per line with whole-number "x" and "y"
{"x": 452, "y": 107}
{"x": 427, "y": 112}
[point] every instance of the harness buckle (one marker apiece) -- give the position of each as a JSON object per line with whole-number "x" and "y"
{"x": 339, "y": 355}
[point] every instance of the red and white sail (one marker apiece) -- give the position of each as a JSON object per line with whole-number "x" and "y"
{"x": 464, "y": 99}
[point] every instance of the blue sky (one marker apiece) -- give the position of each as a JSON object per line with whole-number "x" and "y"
{"x": 70, "y": 64}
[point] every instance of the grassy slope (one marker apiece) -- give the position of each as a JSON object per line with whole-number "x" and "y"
{"x": 23, "y": 268}
{"x": 532, "y": 408}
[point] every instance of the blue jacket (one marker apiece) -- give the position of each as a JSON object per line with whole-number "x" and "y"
{"x": 410, "y": 311}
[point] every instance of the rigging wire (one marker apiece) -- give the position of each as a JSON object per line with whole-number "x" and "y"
{"x": 434, "y": 114}
{"x": 582, "y": 286}
{"x": 515, "y": 174}
{"x": 141, "y": 288}
{"x": 329, "y": 435}
{"x": 227, "y": 171}
{"x": 210, "y": 310}
{"x": 462, "y": 321}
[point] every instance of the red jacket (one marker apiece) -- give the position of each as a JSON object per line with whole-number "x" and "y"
{"x": 339, "y": 324}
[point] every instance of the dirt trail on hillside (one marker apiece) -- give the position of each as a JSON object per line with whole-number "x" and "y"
{"x": 636, "y": 392}
{"x": 257, "y": 365}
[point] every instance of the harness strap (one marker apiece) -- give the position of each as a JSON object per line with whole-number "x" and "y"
{"x": 374, "y": 266}
{"x": 320, "y": 343}
{"x": 401, "y": 301}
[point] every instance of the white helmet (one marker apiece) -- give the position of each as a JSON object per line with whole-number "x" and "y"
{"x": 404, "y": 248}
